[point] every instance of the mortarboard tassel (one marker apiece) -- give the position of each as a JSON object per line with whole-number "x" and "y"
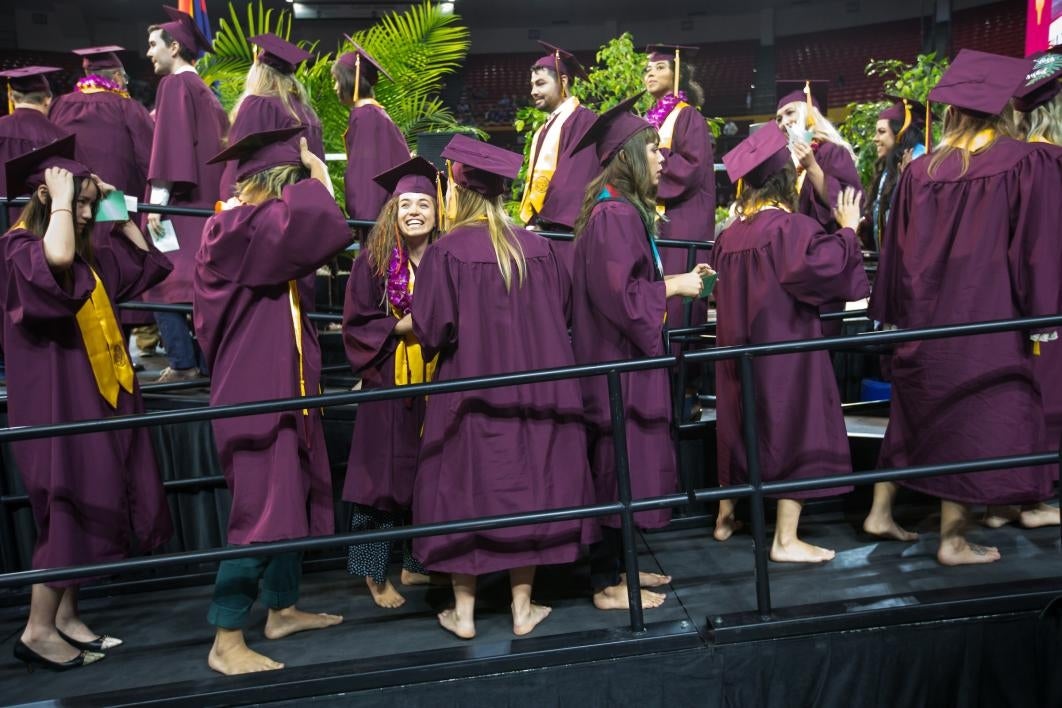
{"x": 557, "y": 66}
{"x": 810, "y": 104}
{"x": 449, "y": 213}
{"x": 906, "y": 119}
{"x": 357, "y": 77}
{"x": 10, "y": 99}
{"x": 678, "y": 72}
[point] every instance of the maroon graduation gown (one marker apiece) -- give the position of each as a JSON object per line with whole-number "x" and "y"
{"x": 687, "y": 189}
{"x": 618, "y": 305}
{"x": 91, "y": 494}
{"x": 1048, "y": 366}
{"x": 20, "y": 132}
{"x": 275, "y": 464}
{"x": 374, "y": 145}
{"x": 383, "y": 452}
{"x": 189, "y": 126}
{"x": 969, "y": 248}
{"x": 775, "y": 270}
{"x": 840, "y": 171}
{"x": 114, "y": 135}
{"x": 500, "y": 450}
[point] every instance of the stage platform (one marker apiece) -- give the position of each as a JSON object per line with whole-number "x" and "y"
{"x": 384, "y": 657}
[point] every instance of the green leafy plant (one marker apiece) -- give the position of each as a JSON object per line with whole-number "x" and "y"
{"x": 912, "y": 81}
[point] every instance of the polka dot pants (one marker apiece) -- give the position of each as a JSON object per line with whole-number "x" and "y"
{"x": 371, "y": 559}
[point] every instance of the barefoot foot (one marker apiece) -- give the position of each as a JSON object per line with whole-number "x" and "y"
{"x": 962, "y": 552}
{"x": 615, "y": 598}
{"x": 797, "y": 551}
{"x": 460, "y": 627}
{"x": 1039, "y": 515}
{"x": 408, "y": 577}
{"x": 289, "y": 620}
{"x": 886, "y": 527}
{"x": 525, "y": 621}
{"x": 647, "y": 580}
{"x": 999, "y": 516}
{"x": 384, "y": 594}
{"x": 725, "y": 526}
{"x": 239, "y": 659}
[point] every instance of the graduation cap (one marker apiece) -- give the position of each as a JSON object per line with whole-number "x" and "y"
{"x": 980, "y": 82}
{"x": 414, "y": 176}
{"x": 26, "y": 172}
{"x": 560, "y": 61}
{"x": 613, "y": 129}
{"x": 909, "y": 113}
{"x": 100, "y": 58}
{"x": 1041, "y": 83}
{"x": 361, "y": 62}
{"x": 28, "y": 79}
{"x": 279, "y": 53}
{"x": 185, "y": 31}
{"x": 481, "y": 167}
{"x": 262, "y": 150}
{"x": 758, "y": 156}
{"x": 812, "y": 91}
{"x": 672, "y": 53}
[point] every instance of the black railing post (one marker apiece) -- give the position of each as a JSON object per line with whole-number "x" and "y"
{"x": 1059, "y": 484}
{"x": 4, "y": 222}
{"x": 687, "y": 307}
{"x": 752, "y": 454}
{"x": 623, "y": 482}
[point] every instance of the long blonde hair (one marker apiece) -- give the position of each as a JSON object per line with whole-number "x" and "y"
{"x": 1044, "y": 122}
{"x": 960, "y": 127}
{"x": 472, "y": 207}
{"x": 264, "y": 80}
{"x": 271, "y": 181}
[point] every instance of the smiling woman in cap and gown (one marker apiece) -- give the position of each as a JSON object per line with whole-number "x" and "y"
{"x": 189, "y": 126}
{"x": 776, "y": 268}
{"x": 973, "y": 237}
{"x": 378, "y": 337}
{"x": 899, "y": 136}
{"x": 686, "y": 195}
{"x": 619, "y": 300}
{"x": 26, "y": 126}
{"x": 261, "y": 345}
{"x": 374, "y": 143}
{"x": 95, "y": 495}
{"x": 557, "y": 174}
{"x": 491, "y": 299}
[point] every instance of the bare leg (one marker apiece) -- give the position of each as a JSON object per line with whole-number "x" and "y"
{"x": 526, "y": 614}
{"x": 289, "y": 620}
{"x": 459, "y": 619}
{"x": 725, "y": 523}
{"x": 40, "y": 634}
{"x": 954, "y": 548}
{"x": 230, "y": 655}
{"x": 786, "y": 547}
{"x": 879, "y": 521}
{"x": 69, "y": 622}
{"x": 384, "y": 594}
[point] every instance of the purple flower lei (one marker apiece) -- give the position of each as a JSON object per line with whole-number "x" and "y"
{"x": 398, "y": 293}
{"x": 95, "y": 81}
{"x": 662, "y": 108}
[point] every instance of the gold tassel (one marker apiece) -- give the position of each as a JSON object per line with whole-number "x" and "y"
{"x": 906, "y": 119}
{"x": 10, "y": 99}
{"x": 438, "y": 203}
{"x": 678, "y": 72}
{"x": 451, "y": 208}
{"x": 810, "y": 104}
{"x": 357, "y": 77}
{"x": 557, "y": 66}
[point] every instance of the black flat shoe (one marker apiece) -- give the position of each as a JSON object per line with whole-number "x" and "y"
{"x": 99, "y": 644}
{"x": 32, "y": 659}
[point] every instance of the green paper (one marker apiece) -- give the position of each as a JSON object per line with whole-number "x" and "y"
{"x": 707, "y": 284}
{"x": 112, "y": 208}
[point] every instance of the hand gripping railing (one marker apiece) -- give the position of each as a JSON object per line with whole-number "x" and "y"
{"x": 625, "y": 506}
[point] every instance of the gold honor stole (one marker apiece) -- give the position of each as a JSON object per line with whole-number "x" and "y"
{"x": 410, "y": 367}
{"x": 105, "y": 345}
{"x": 667, "y": 134}
{"x": 543, "y": 162}
{"x": 975, "y": 143}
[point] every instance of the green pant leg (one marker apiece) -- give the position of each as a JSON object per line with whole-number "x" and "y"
{"x": 280, "y": 581}
{"x": 235, "y": 590}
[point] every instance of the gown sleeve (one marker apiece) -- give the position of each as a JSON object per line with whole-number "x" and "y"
{"x": 276, "y": 241}
{"x": 818, "y": 267}
{"x": 367, "y": 321}
{"x": 617, "y": 282}
{"x": 1033, "y": 254}
{"x": 839, "y": 171}
{"x": 435, "y": 302}
{"x": 33, "y": 293}
{"x": 128, "y": 271}
{"x": 141, "y": 134}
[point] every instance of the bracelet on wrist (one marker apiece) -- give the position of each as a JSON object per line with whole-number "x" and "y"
{"x": 68, "y": 211}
